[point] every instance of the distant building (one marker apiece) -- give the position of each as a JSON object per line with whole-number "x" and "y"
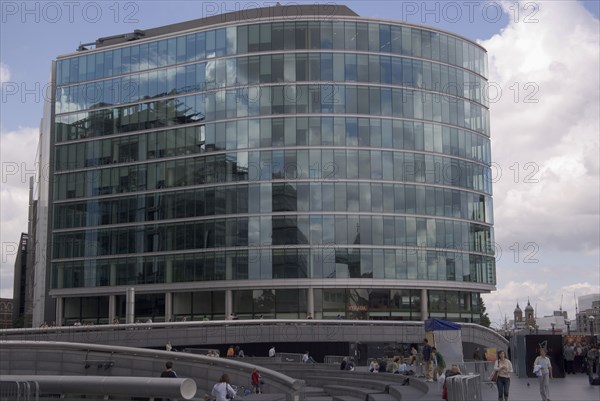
{"x": 583, "y": 317}
{"x": 518, "y": 322}
{"x": 528, "y": 321}
{"x": 22, "y": 287}
{"x": 557, "y": 321}
{"x": 585, "y": 301}
{"x": 6, "y": 310}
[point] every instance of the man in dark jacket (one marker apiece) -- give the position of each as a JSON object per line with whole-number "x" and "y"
{"x": 427, "y": 360}
{"x": 168, "y": 372}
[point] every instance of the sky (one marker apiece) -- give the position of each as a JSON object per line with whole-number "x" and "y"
{"x": 545, "y": 103}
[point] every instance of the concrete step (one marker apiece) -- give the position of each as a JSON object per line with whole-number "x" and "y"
{"x": 356, "y": 393}
{"x": 346, "y": 398}
{"x": 373, "y": 383}
{"x": 382, "y": 397}
{"x": 318, "y": 398}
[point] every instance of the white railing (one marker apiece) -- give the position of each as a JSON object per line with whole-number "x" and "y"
{"x": 18, "y": 389}
{"x": 109, "y": 386}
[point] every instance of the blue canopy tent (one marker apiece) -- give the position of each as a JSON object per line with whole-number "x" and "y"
{"x": 446, "y": 338}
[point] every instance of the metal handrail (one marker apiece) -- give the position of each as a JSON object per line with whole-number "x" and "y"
{"x": 111, "y": 385}
{"x": 224, "y": 363}
{"x": 6, "y": 333}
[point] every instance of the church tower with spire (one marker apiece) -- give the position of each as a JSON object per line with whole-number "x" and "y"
{"x": 518, "y": 314}
{"x": 529, "y": 315}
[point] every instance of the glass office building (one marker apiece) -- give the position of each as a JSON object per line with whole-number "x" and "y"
{"x": 271, "y": 166}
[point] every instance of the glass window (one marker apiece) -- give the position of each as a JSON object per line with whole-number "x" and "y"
{"x": 289, "y": 36}
{"x": 385, "y": 38}
{"x": 231, "y": 39}
{"x": 301, "y": 35}
{"x": 211, "y": 49}
{"x": 326, "y": 67}
{"x": 362, "y": 36}
{"x": 349, "y": 65}
{"x": 253, "y": 38}
{"x": 314, "y": 35}
{"x": 326, "y": 35}
{"x": 406, "y": 41}
{"x": 416, "y": 42}
{"x": 374, "y": 45}
{"x": 242, "y": 39}
{"x": 338, "y": 35}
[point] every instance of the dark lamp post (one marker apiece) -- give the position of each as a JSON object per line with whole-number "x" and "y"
{"x": 591, "y": 321}
{"x": 568, "y": 323}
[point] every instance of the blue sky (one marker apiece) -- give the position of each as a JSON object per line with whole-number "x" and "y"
{"x": 33, "y": 33}
{"x": 551, "y": 44}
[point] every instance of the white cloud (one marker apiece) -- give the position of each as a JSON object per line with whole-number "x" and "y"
{"x": 4, "y": 73}
{"x": 553, "y": 201}
{"x": 18, "y": 151}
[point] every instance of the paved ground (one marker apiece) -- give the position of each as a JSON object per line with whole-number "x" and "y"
{"x": 571, "y": 388}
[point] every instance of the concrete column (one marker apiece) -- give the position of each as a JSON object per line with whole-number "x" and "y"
{"x": 168, "y": 306}
{"x": 112, "y": 306}
{"x": 113, "y": 274}
{"x": 61, "y": 278}
{"x": 59, "y": 311}
{"x": 424, "y": 306}
{"x": 310, "y": 302}
{"x": 228, "y": 303}
{"x": 130, "y": 309}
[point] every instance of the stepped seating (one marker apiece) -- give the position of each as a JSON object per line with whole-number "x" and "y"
{"x": 324, "y": 381}
{"x": 358, "y": 392}
{"x": 383, "y": 397}
{"x": 345, "y": 398}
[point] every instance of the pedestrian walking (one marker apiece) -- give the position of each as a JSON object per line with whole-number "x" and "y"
{"x": 427, "y": 360}
{"x": 569, "y": 355}
{"x": 438, "y": 361}
{"x": 169, "y": 373}
{"x": 256, "y": 381}
{"x": 222, "y": 391}
{"x": 504, "y": 368}
{"x": 477, "y": 354}
{"x": 542, "y": 367}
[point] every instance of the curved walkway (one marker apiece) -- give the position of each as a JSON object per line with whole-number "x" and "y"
{"x": 250, "y": 331}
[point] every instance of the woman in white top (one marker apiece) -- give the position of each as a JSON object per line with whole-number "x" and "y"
{"x": 545, "y": 368}
{"x": 222, "y": 389}
{"x": 504, "y": 369}
{"x": 402, "y": 368}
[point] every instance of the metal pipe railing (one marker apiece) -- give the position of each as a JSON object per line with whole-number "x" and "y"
{"x": 18, "y": 390}
{"x": 277, "y": 381}
{"x": 111, "y": 386}
{"x": 7, "y": 334}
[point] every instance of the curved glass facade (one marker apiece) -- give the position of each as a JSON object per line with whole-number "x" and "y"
{"x": 208, "y": 169}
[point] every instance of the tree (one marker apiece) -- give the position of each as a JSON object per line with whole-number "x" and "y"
{"x": 484, "y": 318}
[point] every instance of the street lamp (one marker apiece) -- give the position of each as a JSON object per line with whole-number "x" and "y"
{"x": 568, "y": 323}
{"x": 591, "y": 321}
